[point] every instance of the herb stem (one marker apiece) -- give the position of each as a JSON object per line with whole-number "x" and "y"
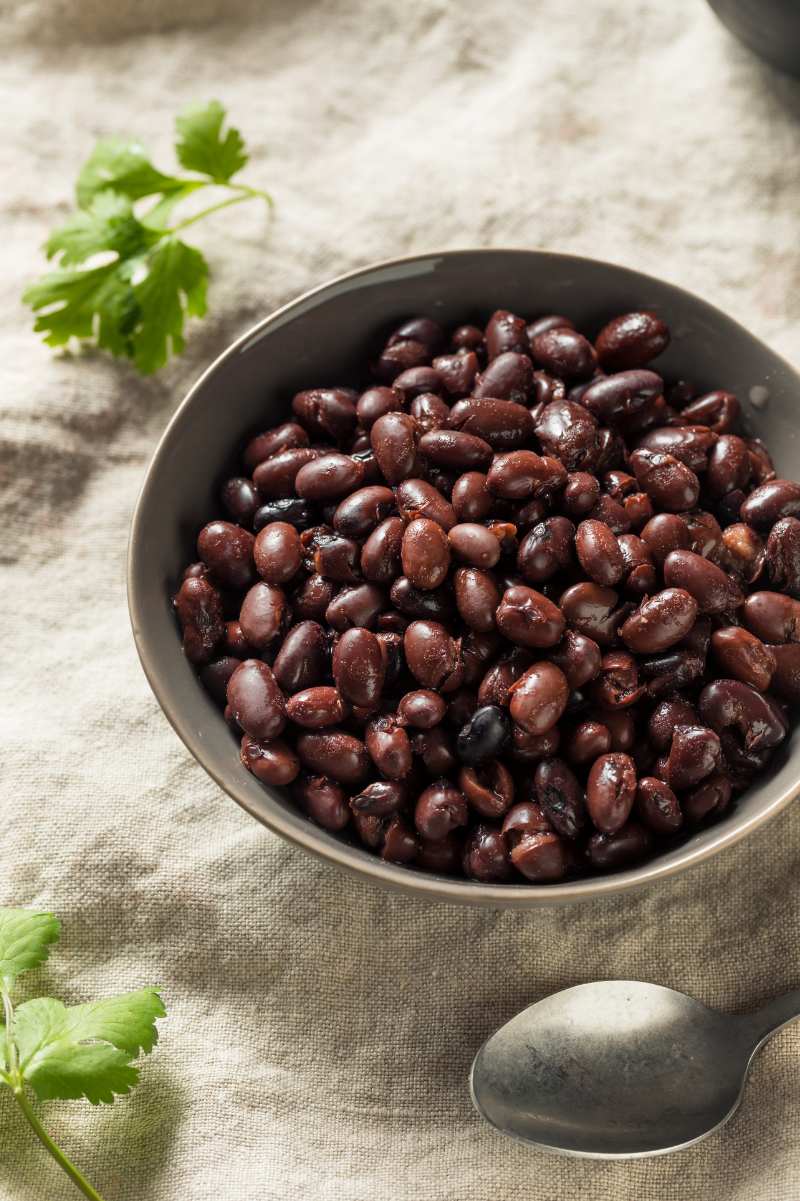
{"x": 58, "y": 1155}
{"x": 242, "y": 193}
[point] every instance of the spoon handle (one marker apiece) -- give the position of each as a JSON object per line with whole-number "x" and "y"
{"x": 776, "y": 1013}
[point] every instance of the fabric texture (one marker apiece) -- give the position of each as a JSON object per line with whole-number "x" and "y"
{"x": 320, "y": 1031}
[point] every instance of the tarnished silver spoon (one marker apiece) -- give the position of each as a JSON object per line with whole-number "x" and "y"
{"x": 619, "y": 1069}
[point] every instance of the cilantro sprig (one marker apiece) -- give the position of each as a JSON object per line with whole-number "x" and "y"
{"x": 136, "y": 301}
{"x": 60, "y": 1051}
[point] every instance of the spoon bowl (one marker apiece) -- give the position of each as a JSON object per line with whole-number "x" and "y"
{"x": 619, "y": 1069}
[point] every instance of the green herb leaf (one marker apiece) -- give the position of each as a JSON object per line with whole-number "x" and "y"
{"x": 108, "y": 224}
{"x": 85, "y": 1050}
{"x": 173, "y": 287}
{"x": 135, "y": 305}
{"x": 121, "y": 166}
{"x": 98, "y": 304}
{"x": 201, "y": 146}
{"x": 25, "y": 940}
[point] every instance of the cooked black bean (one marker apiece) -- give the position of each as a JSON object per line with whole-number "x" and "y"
{"x": 501, "y": 553}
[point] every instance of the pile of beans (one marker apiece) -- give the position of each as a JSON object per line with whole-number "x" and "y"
{"x": 520, "y": 609}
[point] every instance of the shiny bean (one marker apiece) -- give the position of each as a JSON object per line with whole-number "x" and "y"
{"x": 358, "y": 514}
{"x": 288, "y": 508}
{"x": 312, "y": 598}
{"x": 439, "y": 810}
{"x": 474, "y": 544}
{"x": 578, "y": 657}
{"x": 484, "y": 735}
{"x": 331, "y": 555}
{"x": 471, "y": 499}
{"x": 517, "y": 474}
{"x": 376, "y": 402}
{"x": 288, "y": 436}
{"x": 592, "y": 610}
{"x": 326, "y": 411}
{"x": 657, "y": 806}
{"x": 743, "y": 656}
{"x": 421, "y": 709}
{"x": 539, "y": 698}
{"x": 270, "y": 762}
{"x": 669, "y": 483}
{"x": 477, "y": 598}
{"x": 323, "y": 800}
{"x": 532, "y": 748}
{"x": 772, "y": 617}
{"x": 665, "y": 717}
{"x": 488, "y": 787}
{"x": 598, "y": 553}
{"x": 335, "y": 754}
{"x": 529, "y": 619}
{"x": 631, "y": 340}
{"x": 561, "y": 797}
{"x": 329, "y": 477}
{"x": 718, "y": 410}
{"x": 692, "y": 444}
{"x": 728, "y": 466}
{"x": 227, "y": 551}
{"x": 505, "y": 331}
{"x": 380, "y": 554}
{"x": 509, "y": 376}
{"x": 275, "y": 477}
{"x": 256, "y": 701}
{"x": 617, "y": 683}
{"x": 629, "y": 844}
{"x": 588, "y": 741}
{"x": 614, "y": 399}
{"x": 277, "y": 552}
{"x": 263, "y": 614}
{"x": 743, "y": 551}
{"x": 767, "y": 503}
{"x": 303, "y": 658}
{"x": 710, "y": 799}
{"x": 455, "y": 450}
{"x": 660, "y": 621}
{"x": 783, "y": 555}
{"x": 402, "y": 355}
{"x": 569, "y": 432}
{"x": 389, "y": 747}
{"x": 355, "y": 606}
{"x": 240, "y": 499}
{"x": 540, "y": 858}
{"x": 504, "y": 424}
{"x": 694, "y": 754}
{"x": 610, "y": 791}
{"x": 199, "y": 608}
{"x": 486, "y": 856}
{"x": 425, "y": 553}
{"x": 664, "y": 533}
{"x": 546, "y": 549}
{"x": 564, "y": 352}
{"x": 712, "y": 588}
{"x": 457, "y": 372}
{"x": 316, "y": 707}
{"x": 393, "y": 439}
{"x": 215, "y": 676}
{"x": 379, "y": 799}
{"x": 581, "y": 493}
{"x": 418, "y": 498}
{"x": 359, "y": 668}
{"x": 431, "y": 654}
{"x": 731, "y": 705}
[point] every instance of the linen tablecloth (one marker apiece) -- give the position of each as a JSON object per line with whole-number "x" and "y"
{"x": 320, "y": 1031}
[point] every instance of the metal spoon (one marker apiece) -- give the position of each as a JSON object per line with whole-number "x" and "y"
{"x": 619, "y": 1069}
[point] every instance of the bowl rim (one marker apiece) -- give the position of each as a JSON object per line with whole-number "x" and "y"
{"x": 396, "y": 877}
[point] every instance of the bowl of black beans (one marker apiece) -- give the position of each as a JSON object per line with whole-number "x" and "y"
{"x": 474, "y": 573}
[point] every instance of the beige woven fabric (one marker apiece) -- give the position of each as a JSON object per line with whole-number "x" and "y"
{"x": 320, "y": 1032}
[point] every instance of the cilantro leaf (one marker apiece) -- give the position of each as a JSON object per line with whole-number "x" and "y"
{"x": 107, "y": 223}
{"x": 173, "y": 287}
{"x": 135, "y": 303}
{"x": 99, "y": 304}
{"x": 25, "y": 939}
{"x": 201, "y": 146}
{"x": 123, "y": 167}
{"x": 85, "y": 1050}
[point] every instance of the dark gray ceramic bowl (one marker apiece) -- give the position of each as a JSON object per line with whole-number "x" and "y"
{"x": 315, "y": 340}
